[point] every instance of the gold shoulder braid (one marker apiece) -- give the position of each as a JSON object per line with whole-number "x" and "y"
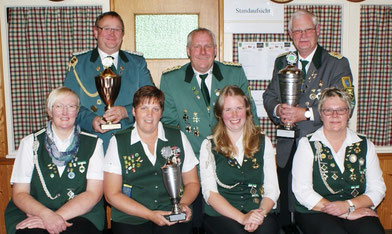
{"x": 72, "y": 63}
{"x": 171, "y": 69}
{"x": 232, "y": 64}
{"x": 336, "y": 55}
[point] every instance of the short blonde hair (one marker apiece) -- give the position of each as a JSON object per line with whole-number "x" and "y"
{"x": 335, "y": 92}
{"x": 55, "y": 94}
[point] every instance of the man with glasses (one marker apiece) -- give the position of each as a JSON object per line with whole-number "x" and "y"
{"x": 85, "y": 66}
{"x": 321, "y": 69}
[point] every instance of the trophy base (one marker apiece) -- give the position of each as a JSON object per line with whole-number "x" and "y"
{"x": 175, "y": 217}
{"x": 110, "y": 126}
{"x": 285, "y": 133}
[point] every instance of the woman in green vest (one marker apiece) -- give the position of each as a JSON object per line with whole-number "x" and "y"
{"x": 58, "y": 175}
{"x": 238, "y": 171}
{"x": 337, "y": 180}
{"x": 133, "y": 183}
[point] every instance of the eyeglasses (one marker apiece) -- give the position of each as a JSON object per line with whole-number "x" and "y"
{"x": 306, "y": 31}
{"x": 339, "y": 111}
{"x": 69, "y": 108}
{"x": 109, "y": 30}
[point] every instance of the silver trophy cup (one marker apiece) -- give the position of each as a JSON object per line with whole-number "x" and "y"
{"x": 171, "y": 175}
{"x": 290, "y": 81}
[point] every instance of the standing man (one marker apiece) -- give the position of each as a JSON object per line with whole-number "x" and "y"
{"x": 191, "y": 91}
{"x": 322, "y": 69}
{"x": 85, "y": 66}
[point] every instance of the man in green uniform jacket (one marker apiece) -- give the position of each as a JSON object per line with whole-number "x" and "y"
{"x": 185, "y": 102}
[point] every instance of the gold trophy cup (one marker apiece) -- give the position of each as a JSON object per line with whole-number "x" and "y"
{"x": 108, "y": 86}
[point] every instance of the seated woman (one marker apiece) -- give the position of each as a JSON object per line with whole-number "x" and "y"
{"x": 58, "y": 175}
{"x": 337, "y": 179}
{"x": 238, "y": 171}
{"x": 133, "y": 182}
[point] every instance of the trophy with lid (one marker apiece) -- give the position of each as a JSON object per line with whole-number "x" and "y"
{"x": 108, "y": 86}
{"x": 290, "y": 81}
{"x": 171, "y": 174}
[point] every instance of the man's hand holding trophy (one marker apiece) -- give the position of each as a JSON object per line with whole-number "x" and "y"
{"x": 108, "y": 86}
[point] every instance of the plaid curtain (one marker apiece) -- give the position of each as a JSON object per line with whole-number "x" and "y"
{"x": 375, "y": 74}
{"x": 330, "y": 17}
{"x": 41, "y": 41}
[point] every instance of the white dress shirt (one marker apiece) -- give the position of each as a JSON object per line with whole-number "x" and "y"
{"x": 208, "y": 79}
{"x": 112, "y": 160}
{"x": 24, "y": 164}
{"x": 303, "y": 169}
{"x": 103, "y": 55}
{"x": 207, "y": 177}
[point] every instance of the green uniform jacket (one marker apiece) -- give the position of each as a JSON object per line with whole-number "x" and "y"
{"x": 67, "y": 186}
{"x": 185, "y": 107}
{"x": 141, "y": 180}
{"x": 134, "y": 74}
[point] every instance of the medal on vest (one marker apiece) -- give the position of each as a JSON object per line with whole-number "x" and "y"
{"x": 82, "y": 168}
{"x": 354, "y": 191}
{"x": 255, "y": 165}
{"x": 53, "y": 168}
{"x": 132, "y": 162}
{"x": 353, "y": 176}
{"x": 71, "y": 174}
{"x": 196, "y": 131}
{"x": 70, "y": 194}
{"x": 195, "y": 118}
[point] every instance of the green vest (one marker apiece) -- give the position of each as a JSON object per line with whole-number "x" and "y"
{"x": 329, "y": 182}
{"x": 248, "y": 194}
{"x": 71, "y": 183}
{"x": 141, "y": 180}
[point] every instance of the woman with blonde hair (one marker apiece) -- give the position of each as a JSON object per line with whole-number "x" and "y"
{"x": 238, "y": 170}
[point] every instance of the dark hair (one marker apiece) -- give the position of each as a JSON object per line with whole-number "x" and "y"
{"x": 148, "y": 93}
{"x": 112, "y": 14}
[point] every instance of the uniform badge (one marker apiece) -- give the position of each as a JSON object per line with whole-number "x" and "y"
{"x": 353, "y": 158}
{"x": 70, "y": 194}
{"x": 99, "y": 102}
{"x": 93, "y": 108}
{"x": 195, "y": 118}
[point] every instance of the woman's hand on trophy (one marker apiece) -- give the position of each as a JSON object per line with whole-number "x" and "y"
{"x": 115, "y": 114}
{"x": 97, "y": 121}
{"x": 187, "y": 211}
{"x": 158, "y": 217}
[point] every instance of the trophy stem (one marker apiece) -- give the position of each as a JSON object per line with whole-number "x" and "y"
{"x": 176, "y": 207}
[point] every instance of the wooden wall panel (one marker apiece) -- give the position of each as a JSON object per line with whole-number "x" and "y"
{"x": 385, "y": 209}
{"x": 5, "y": 188}
{"x": 3, "y": 124}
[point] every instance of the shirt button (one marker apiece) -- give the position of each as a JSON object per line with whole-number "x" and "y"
{"x": 242, "y": 206}
{"x": 242, "y": 196}
{"x": 155, "y": 173}
{"x": 156, "y": 186}
{"x": 155, "y": 201}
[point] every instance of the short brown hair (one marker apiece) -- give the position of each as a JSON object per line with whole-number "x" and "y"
{"x": 112, "y": 14}
{"x": 148, "y": 93}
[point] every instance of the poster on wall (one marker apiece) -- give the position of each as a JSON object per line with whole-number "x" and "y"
{"x": 253, "y": 16}
{"x": 257, "y": 58}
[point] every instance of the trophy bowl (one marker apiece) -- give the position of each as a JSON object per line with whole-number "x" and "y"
{"x": 108, "y": 86}
{"x": 290, "y": 81}
{"x": 171, "y": 175}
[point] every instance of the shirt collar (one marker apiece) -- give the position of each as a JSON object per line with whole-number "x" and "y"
{"x": 103, "y": 55}
{"x": 136, "y": 138}
{"x": 351, "y": 137}
{"x": 208, "y": 72}
{"x": 310, "y": 56}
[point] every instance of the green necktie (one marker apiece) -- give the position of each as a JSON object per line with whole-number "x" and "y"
{"x": 204, "y": 89}
{"x": 304, "y": 63}
{"x": 113, "y": 68}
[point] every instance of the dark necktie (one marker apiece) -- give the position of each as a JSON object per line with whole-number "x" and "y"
{"x": 204, "y": 89}
{"x": 304, "y": 63}
{"x": 113, "y": 68}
